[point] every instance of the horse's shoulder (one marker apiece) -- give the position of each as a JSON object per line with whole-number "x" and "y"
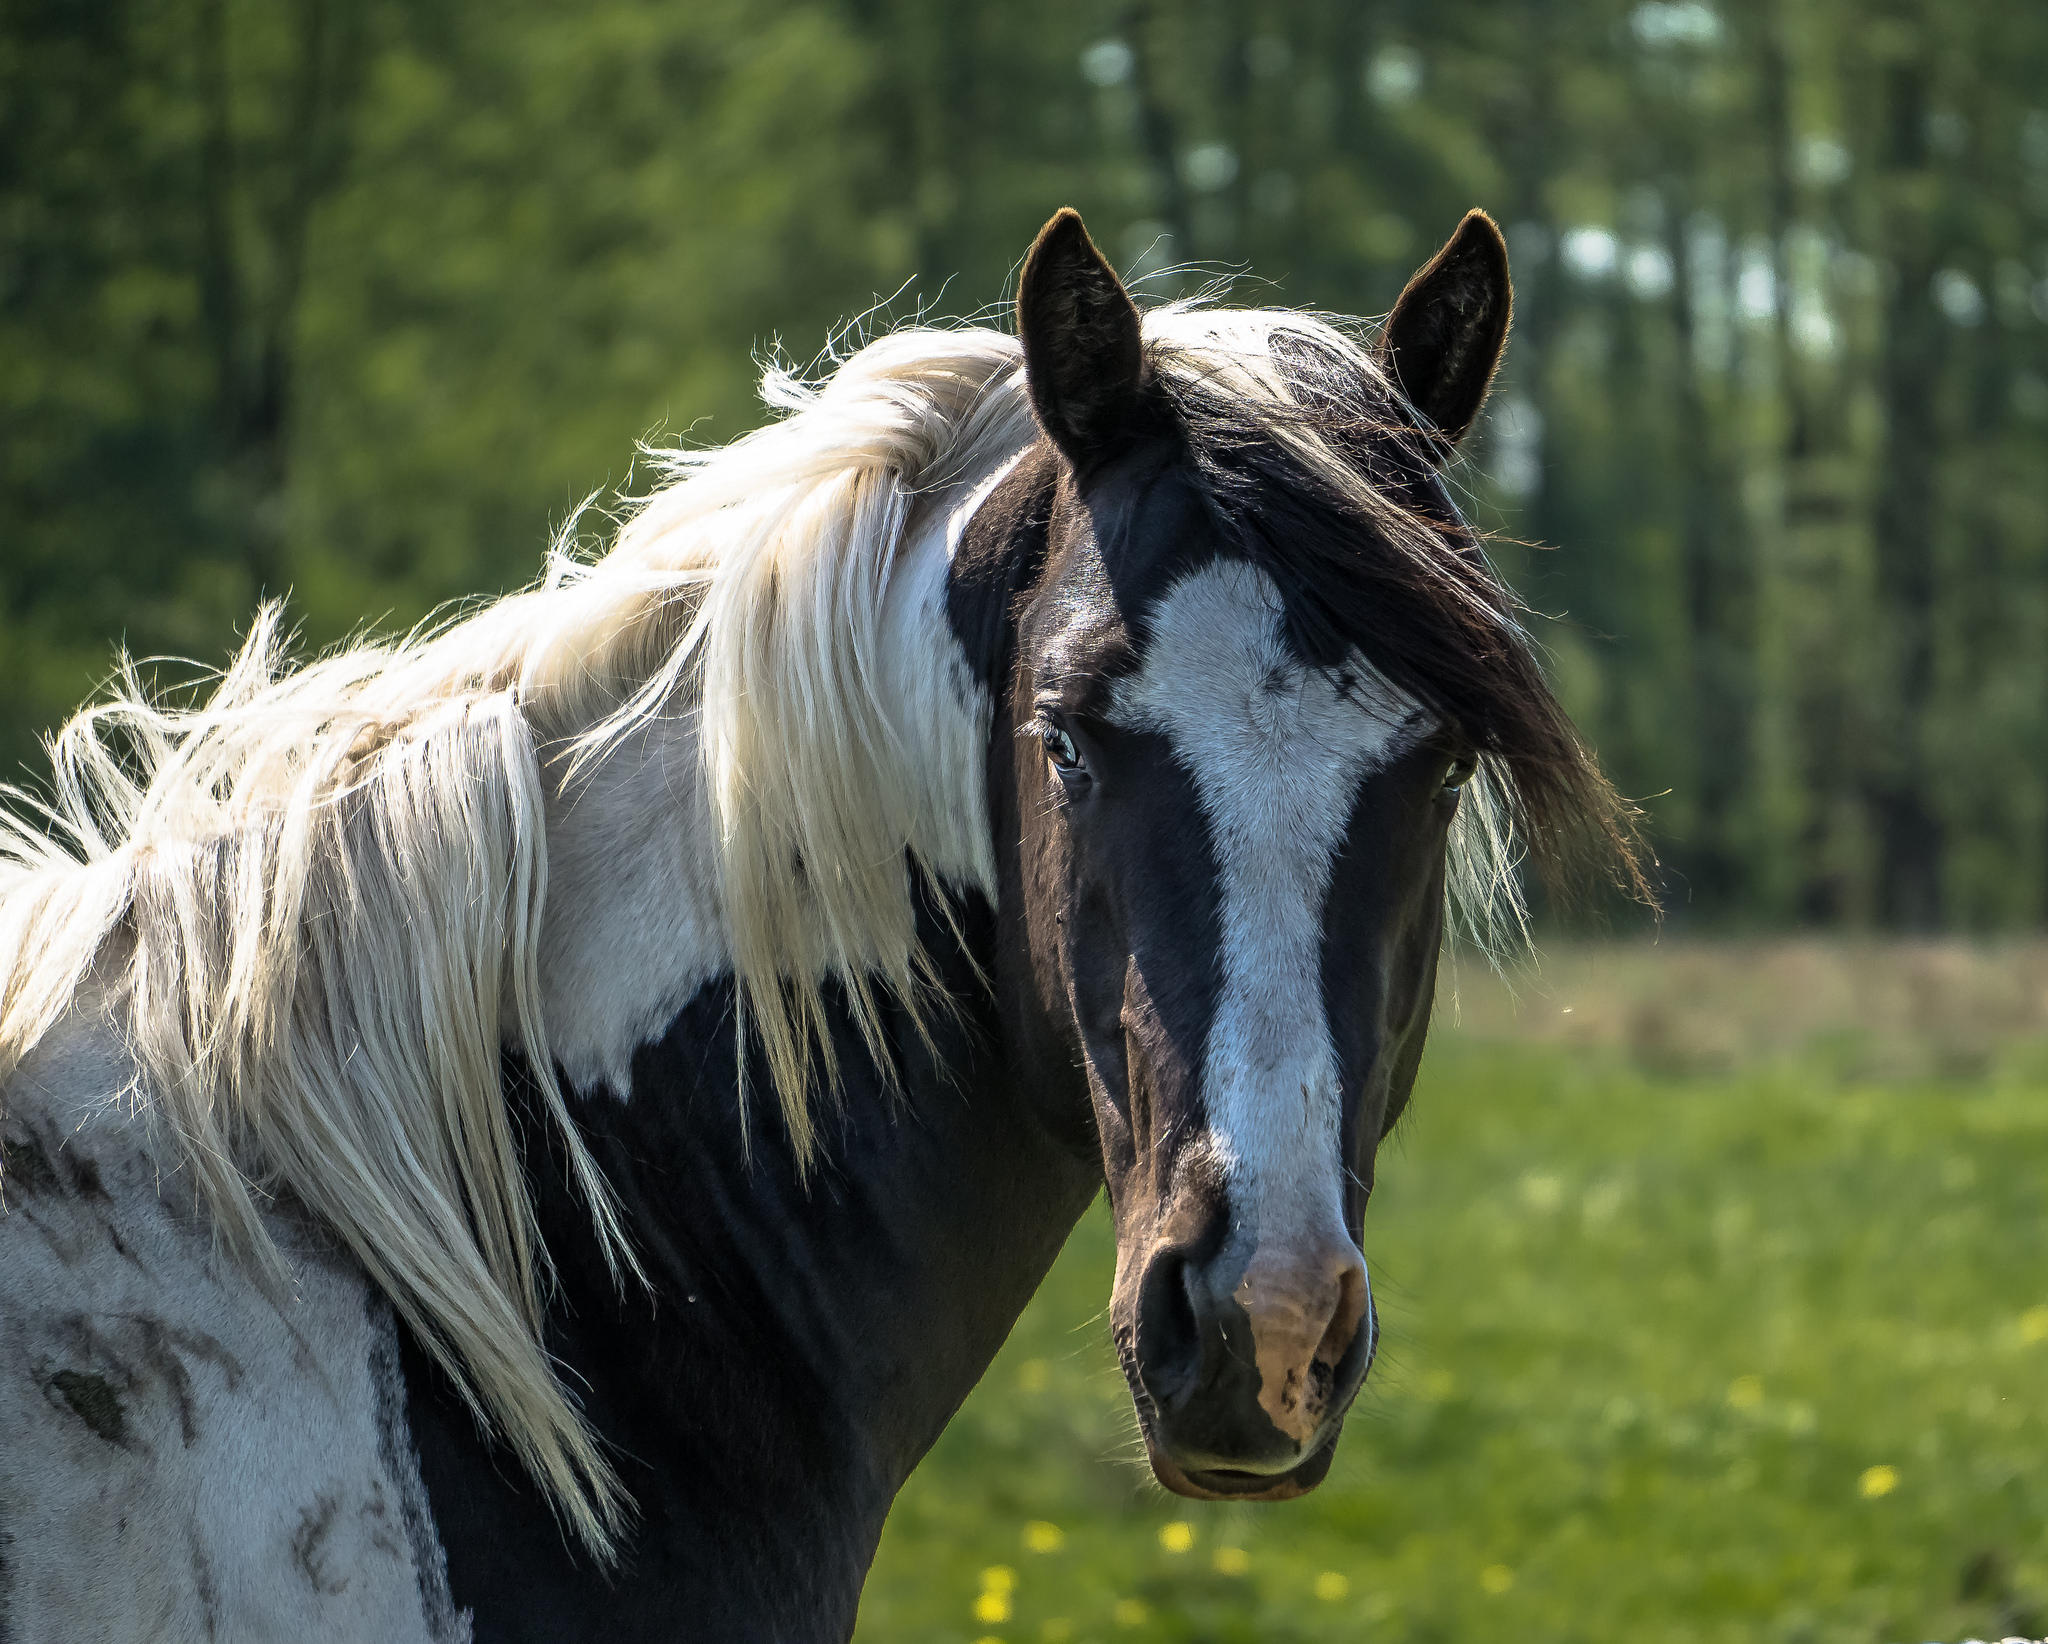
{"x": 190, "y": 1452}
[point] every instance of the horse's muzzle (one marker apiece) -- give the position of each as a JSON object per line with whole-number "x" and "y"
{"x": 1245, "y": 1376}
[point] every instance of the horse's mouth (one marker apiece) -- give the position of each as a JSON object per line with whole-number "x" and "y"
{"x": 1223, "y": 1483}
{"x": 1229, "y": 1484}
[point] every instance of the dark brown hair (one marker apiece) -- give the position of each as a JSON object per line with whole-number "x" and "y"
{"x": 1334, "y": 494}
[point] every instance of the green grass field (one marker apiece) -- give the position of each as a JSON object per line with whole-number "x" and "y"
{"x": 1750, "y": 1352}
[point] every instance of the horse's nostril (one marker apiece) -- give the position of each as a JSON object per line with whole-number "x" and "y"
{"x": 1341, "y": 1333}
{"x": 1169, "y": 1335}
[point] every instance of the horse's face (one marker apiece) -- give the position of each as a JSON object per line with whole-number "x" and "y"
{"x": 1235, "y": 870}
{"x": 1232, "y": 871}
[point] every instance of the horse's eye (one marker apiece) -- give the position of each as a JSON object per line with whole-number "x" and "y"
{"x": 1460, "y": 772}
{"x": 1060, "y": 749}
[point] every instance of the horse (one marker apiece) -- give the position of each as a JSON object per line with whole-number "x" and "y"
{"x": 529, "y": 1130}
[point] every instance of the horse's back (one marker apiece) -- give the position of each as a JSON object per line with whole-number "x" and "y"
{"x": 184, "y": 1454}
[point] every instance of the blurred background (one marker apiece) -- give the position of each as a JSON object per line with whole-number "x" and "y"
{"x": 358, "y": 300}
{"x": 1714, "y": 1270}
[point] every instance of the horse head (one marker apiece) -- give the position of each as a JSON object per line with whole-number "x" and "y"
{"x": 1253, "y": 662}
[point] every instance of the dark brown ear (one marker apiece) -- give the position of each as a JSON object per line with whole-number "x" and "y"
{"x": 1083, "y": 358}
{"x": 1445, "y": 336}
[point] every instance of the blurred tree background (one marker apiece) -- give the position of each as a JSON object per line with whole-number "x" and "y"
{"x": 358, "y": 300}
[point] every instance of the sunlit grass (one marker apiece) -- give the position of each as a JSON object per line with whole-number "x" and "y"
{"x": 1752, "y": 1355}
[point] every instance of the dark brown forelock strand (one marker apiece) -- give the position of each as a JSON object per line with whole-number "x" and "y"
{"x": 1390, "y": 568}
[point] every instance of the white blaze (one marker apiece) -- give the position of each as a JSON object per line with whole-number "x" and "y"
{"x": 1277, "y": 754}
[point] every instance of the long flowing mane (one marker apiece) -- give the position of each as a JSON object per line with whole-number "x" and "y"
{"x": 311, "y": 905}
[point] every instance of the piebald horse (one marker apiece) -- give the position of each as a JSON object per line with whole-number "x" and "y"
{"x": 529, "y": 1131}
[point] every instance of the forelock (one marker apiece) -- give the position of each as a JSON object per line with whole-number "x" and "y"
{"x": 1314, "y": 470}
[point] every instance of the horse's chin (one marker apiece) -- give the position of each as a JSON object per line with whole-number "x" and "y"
{"x": 1225, "y": 1484}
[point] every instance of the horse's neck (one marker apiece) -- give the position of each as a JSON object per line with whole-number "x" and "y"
{"x": 802, "y": 1342}
{"x": 805, "y": 1339}
{"x": 876, "y": 1286}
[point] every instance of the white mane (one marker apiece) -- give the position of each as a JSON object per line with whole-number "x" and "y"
{"x": 316, "y": 898}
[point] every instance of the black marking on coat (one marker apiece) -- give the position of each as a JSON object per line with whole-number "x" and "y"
{"x": 401, "y": 1463}
{"x": 93, "y": 1401}
{"x": 85, "y": 1179}
{"x": 121, "y": 1245}
{"x": 24, "y": 1165}
{"x": 203, "y": 1584}
{"x": 6, "y": 1584}
{"x": 382, "y": 1535}
{"x": 129, "y": 1352}
{"x": 30, "y": 1167}
{"x": 315, "y": 1522}
{"x": 161, "y": 1356}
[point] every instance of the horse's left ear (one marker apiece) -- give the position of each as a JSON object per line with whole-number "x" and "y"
{"x": 1445, "y": 336}
{"x": 1084, "y": 358}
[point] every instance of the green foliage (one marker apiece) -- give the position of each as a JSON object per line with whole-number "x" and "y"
{"x": 1665, "y": 1358}
{"x": 359, "y": 302}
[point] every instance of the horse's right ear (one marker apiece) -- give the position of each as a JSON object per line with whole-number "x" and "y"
{"x": 1084, "y": 358}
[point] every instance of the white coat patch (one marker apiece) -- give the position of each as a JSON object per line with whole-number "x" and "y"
{"x": 185, "y": 1456}
{"x": 632, "y": 928}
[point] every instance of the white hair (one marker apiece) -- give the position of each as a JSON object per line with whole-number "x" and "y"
{"x": 317, "y": 895}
